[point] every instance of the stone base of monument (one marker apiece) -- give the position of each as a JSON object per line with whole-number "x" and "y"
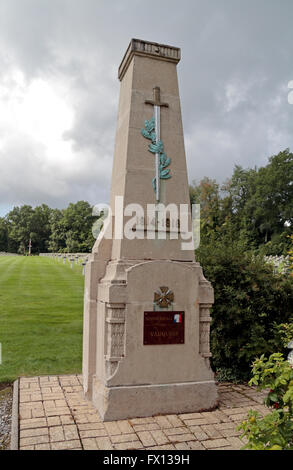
{"x": 152, "y": 353}
{"x": 116, "y": 403}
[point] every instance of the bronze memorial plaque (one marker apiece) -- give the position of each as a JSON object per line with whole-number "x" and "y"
{"x": 163, "y": 328}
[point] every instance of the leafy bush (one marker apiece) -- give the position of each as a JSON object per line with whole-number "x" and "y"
{"x": 275, "y": 430}
{"x": 283, "y": 334}
{"x": 290, "y": 252}
{"x": 249, "y": 301}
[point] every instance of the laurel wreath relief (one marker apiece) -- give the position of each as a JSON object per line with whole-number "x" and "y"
{"x": 149, "y": 133}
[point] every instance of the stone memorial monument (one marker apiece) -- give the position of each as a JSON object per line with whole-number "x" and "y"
{"x": 146, "y": 305}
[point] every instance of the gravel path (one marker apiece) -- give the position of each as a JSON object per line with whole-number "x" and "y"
{"x": 5, "y": 415}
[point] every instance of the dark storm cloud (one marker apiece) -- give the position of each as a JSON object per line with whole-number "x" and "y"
{"x": 234, "y": 74}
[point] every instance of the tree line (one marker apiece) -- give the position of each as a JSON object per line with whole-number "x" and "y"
{"x": 50, "y": 230}
{"x": 254, "y": 207}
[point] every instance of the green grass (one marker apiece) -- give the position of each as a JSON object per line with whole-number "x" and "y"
{"x": 41, "y": 308}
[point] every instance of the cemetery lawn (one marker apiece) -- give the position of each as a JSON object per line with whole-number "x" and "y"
{"x": 41, "y": 310}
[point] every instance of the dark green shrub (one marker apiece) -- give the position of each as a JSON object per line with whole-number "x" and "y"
{"x": 283, "y": 334}
{"x": 249, "y": 301}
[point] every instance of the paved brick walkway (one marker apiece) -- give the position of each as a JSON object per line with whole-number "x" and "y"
{"x": 53, "y": 415}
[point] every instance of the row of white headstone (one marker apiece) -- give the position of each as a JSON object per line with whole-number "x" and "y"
{"x": 72, "y": 258}
{"x": 281, "y": 264}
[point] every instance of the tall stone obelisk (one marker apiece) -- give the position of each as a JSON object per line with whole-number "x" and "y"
{"x": 146, "y": 309}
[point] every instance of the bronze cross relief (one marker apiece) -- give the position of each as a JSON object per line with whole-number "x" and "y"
{"x": 164, "y": 297}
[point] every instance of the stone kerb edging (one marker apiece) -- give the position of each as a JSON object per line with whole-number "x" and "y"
{"x": 14, "y": 441}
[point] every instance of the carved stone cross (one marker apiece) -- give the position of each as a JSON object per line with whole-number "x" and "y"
{"x": 156, "y": 103}
{"x": 157, "y": 99}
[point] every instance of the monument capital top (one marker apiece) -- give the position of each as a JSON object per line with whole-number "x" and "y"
{"x": 148, "y": 49}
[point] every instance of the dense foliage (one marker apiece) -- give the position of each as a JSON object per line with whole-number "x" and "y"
{"x": 250, "y": 302}
{"x": 274, "y": 431}
{"x": 66, "y": 230}
{"x": 71, "y": 229}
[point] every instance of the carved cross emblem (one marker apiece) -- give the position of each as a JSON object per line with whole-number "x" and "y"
{"x": 164, "y": 297}
{"x": 157, "y": 146}
{"x": 157, "y": 98}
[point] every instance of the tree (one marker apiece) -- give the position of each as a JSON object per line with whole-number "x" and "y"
{"x": 263, "y": 203}
{"x": 72, "y": 228}
{"x": 215, "y": 208}
{"x": 57, "y": 240}
{"x": 40, "y": 228}
{"x": 3, "y": 235}
{"x": 255, "y": 206}
{"x": 24, "y": 224}
{"x": 20, "y": 222}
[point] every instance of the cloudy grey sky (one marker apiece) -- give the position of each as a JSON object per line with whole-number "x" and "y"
{"x": 59, "y": 89}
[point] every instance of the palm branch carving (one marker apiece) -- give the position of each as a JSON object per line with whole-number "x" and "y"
{"x": 156, "y": 147}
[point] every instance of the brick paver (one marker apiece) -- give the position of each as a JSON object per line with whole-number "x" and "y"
{"x": 53, "y": 415}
